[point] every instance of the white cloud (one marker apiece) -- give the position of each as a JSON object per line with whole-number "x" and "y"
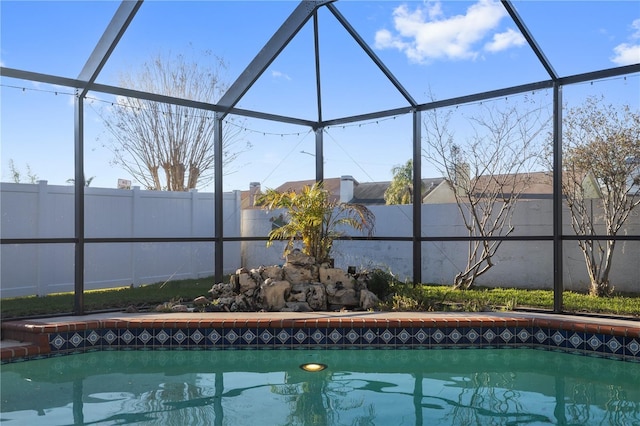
{"x": 503, "y": 41}
{"x": 434, "y": 9}
{"x": 278, "y": 74}
{"x": 425, "y": 34}
{"x": 636, "y": 26}
{"x": 628, "y": 53}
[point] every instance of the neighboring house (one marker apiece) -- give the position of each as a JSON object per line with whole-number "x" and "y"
{"x": 348, "y": 189}
{"x": 633, "y": 181}
{"x": 539, "y": 185}
{"x": 531, "y": 186}
{"x": 591, "y": 187}
{"x": 438, "y": 192}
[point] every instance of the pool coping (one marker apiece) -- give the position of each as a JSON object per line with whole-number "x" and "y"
{"x": 606, "y": 337}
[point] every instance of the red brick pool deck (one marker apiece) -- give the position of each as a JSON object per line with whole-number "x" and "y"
{"x": 28, "y": 338}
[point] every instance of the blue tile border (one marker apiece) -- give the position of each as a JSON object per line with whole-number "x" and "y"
{"x": 619, "y": 347}
{"x": 616, "y": 342}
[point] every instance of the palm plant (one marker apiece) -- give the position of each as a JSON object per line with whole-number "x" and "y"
{"x": 315, "y": 219}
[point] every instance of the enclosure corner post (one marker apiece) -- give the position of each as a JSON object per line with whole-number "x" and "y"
{"x": 557, "y": 199}
{"x": 417, "y": 198}
{"x": 319, "y": 154}
{"x": 78, "y": 292}
{"x": 218, "y": 201}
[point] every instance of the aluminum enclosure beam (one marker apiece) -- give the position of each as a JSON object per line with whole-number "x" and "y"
{"x": 107, "y": 43}
{"x": 392, "y": 78}
{"x": 269, "y": 52}
{"x": 600, "y": 74}
{"x": 316, "y": 45}
{"x": 113, "y": 90}
{"x": 532, "y": 42}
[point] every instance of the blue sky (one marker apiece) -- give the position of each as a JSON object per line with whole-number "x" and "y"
{"x": 434, "y": 48}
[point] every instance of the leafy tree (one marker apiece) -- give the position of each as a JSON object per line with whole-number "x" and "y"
{"x": 487, "y": 173}
{"x": 601, "y": 145}
{"x": 400, "y": 190}
{"x": 313, "y": 217}
{"x": 170, "y": 147}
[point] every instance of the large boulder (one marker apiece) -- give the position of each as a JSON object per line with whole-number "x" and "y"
{"x": 298, "y": 286}
{"x": 247, "y": 284}
{"x": 256, "y": 275}
{"x": 313, "y": 294}
{"x": 274, "y": 294}
{"x": 335, "y": 276}
{"x": 225, "y": 302}
{"x": 273, "y": 272}
{"x": 317, "y": 297}
{"x": 201, "y": 301}
{"x": 223, "y": 289}
{"x": 296, "y": 307}
{"x": 339, "y": 297}
{"x": 297, "y": 257}
{"x": 240, "y": 304}
{"x": 368, "y": 300}
{"x": 297, "y": 274}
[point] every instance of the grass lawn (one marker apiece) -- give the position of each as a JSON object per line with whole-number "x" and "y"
{"x": 142, "y": 297}
{"x": 405, "y": 297}
{"x": 443, "y": 298}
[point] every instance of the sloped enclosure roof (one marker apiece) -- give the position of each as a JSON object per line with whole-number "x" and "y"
{"x": 304, "y": 18}
{"x": 344, "y": 70}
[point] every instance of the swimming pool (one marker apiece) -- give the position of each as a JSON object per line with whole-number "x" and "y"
{"x": 366, "y": 386}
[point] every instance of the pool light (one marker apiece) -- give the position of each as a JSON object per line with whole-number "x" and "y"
{"x": 313, "y": 367}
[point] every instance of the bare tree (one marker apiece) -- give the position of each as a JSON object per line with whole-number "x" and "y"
{"x": 487, "y": 172}
{"x": 601, "y": 179}
{"x": 170, "y": 147}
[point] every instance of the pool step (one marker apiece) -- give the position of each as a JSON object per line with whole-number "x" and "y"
{"x": 21, "y": 342}
{"x": 12, "y": 349}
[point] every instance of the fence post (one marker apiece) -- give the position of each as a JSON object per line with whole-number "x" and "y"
{"x": 42, "y": 288}
{"x": 192, "y": 229}
{"x": 135, "y": 226}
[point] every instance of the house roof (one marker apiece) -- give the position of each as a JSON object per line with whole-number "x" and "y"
{"x": 369, "y": 193}
{"x": 528, "y": 185}
{"x": 331, "y": 184}
{"x": 537, "y": 185}
{"x": 373, "y": 192}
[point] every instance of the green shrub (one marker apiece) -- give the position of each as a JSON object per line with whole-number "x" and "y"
{"x": 381, "y": 283}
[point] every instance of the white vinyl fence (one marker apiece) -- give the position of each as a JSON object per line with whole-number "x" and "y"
{"x": 47, "y": 211}
{"x": 522, "y": 264}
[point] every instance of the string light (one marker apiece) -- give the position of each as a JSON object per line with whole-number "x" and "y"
{"x": 31, "y": 89}
{"x": 364, "y": 123}
{"x": 264, "y": 133}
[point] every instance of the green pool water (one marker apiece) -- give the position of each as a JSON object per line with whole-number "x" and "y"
{"x": 358, "y": 387}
